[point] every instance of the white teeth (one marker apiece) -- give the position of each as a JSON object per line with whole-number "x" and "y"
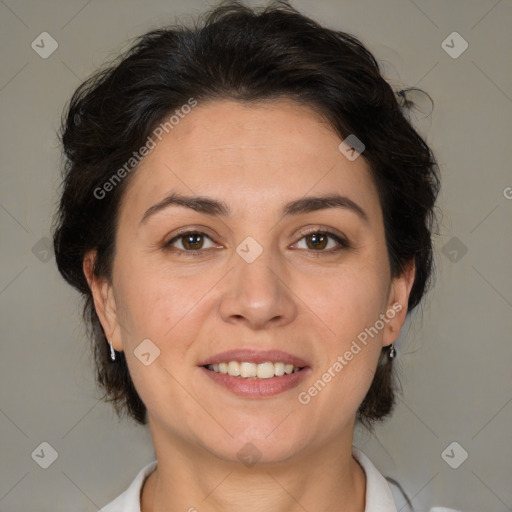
{"x": 247, "y": 370}
{"x": 265, "y": 371}
{"x": 233, "y": 368}
{"x": 279, "y": 369}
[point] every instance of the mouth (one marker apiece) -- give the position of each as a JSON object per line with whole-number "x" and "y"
{"x": 255, "y": 374}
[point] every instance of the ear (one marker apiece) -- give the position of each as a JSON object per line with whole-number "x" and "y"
{"x": 396, "y": 311}
{"x": 104, "y": 301}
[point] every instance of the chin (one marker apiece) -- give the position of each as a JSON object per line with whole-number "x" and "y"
{"x": 261, "y": 445}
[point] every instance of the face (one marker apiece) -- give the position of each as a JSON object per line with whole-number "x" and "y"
{"x": 257, "y": 276}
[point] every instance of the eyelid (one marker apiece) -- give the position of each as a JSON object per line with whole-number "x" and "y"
{"x": 203, "y": 230}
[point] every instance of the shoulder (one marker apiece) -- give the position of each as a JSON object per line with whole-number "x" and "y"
{"x": 379, "y": 497}
{"x": 378, "y": 493}
{"x": 129, "y": 500}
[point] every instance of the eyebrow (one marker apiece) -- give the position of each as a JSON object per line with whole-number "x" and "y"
{"x": 210, "y": 206}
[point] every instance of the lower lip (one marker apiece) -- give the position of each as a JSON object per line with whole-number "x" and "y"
{"x": 256, "y": 388}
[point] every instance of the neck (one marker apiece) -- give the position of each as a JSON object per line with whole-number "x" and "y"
{"x": 191, "y": 479}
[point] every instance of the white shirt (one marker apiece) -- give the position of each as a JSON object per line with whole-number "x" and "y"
{"x": 378, "y": 493}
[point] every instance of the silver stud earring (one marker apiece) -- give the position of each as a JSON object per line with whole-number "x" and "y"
{"x": 392, "y": 352}
{"x": 112, "y": 352}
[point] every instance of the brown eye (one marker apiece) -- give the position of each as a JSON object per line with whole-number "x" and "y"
{"x": 190, "y": 241}
{"x": 319, "y": 241}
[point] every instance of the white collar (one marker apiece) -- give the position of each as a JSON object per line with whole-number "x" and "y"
{"x": 378, "y": 493}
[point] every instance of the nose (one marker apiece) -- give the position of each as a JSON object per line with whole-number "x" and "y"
{"x": 258, "y": 294}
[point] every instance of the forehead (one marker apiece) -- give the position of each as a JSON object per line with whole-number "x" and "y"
{"x": 250, "y": 155}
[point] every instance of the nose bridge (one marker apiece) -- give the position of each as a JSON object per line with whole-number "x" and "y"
{"x": 258, "y": 267}
{"x": 256, "y": 291}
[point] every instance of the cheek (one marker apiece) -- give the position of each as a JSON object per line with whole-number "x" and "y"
{"x": 351, "y": 303}
{"x": 170, "y": 310}
{"x": 348, "y": 299}
{"x": 347, "y": 363}
{"x": 156, "y": 301}
{"x": 166, "y": 311}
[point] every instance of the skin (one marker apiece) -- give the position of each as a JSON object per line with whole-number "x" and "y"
{"x": 255, "y": 158}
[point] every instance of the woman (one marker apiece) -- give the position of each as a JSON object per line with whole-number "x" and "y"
{"x": 248, "y": 214}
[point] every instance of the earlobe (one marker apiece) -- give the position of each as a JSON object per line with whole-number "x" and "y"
{"x": 397, "y": 304}
{"x": 103, "y": 298}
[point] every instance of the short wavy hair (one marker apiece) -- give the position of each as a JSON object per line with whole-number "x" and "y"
{"x": 247, "y": 55}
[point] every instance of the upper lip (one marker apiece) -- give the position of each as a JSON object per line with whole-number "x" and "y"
{"x": 255, "y": 356}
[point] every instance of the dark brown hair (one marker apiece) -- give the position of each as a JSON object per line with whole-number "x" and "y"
{"x": 247, "y": 55}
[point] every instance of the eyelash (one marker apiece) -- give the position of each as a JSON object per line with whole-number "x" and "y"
{"x": 343, "y": 243}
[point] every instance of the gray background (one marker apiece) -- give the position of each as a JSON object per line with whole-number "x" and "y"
{"x": 454, "y": 356}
